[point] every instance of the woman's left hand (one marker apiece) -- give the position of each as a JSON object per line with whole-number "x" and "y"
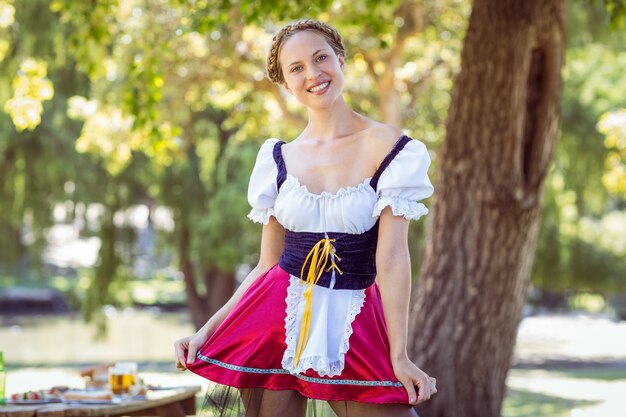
{"x": 411, "y": 376}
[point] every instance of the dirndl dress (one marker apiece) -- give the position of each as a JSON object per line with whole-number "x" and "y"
{"x": 314, "y": 322}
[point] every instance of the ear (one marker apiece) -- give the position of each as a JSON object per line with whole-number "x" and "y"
{"x": 287, "y": 87}
{"x": 342, "y": 61}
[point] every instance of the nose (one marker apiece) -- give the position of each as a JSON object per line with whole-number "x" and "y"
{"x": 312, "y": 72}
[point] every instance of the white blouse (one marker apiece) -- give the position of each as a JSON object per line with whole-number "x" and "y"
{"x": 354, "y": 210}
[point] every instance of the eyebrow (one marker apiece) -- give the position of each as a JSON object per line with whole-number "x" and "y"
{"x": 314, "y": 53}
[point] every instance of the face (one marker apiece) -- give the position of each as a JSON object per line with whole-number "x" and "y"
{"x": 312, "y": 71}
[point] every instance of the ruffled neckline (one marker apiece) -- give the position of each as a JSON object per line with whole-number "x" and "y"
{"x": 365, "y": 184}
{"x": 369, "y": 182}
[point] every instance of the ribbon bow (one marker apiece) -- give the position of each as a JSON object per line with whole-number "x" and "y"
{"x": 320, "y": 255}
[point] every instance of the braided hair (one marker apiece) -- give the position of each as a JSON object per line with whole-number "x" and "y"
{"x": 274, "y": 70}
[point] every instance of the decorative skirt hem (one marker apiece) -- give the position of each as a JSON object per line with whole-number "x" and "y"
{"x": 311, "y": 390}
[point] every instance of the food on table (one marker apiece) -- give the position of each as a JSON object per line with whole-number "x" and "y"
{"x": 77, "y": 395}
{"x": 96, "y": 376}
{"x": 54, "y": 393}
{"x": 28, "y": 395}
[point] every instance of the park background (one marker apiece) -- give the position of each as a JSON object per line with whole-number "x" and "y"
{"x": 127, "y": 137}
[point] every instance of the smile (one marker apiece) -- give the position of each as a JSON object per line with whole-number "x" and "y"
{"x": 318, "y": 88}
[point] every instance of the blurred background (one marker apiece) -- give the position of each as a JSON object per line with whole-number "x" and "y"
{"x": 128, "y": 132}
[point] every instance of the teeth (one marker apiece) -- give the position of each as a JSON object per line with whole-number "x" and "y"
{"x": 319, "y": 87}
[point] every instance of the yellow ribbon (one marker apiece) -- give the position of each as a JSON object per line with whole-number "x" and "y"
{"x": 319, "y": 256}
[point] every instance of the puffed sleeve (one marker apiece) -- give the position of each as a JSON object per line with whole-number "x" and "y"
{"x": 262, "y": 189}
{"x": 404, "y": 182}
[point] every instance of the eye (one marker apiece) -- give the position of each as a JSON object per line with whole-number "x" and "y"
{"x": 296, "y": 68}
{"x": 322, "y": 57}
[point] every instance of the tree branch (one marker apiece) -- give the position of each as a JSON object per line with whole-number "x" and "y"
{"x": 288, "y": 115}
{"x": 416, "y": 88}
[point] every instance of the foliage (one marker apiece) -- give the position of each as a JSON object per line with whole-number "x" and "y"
{"x": 616, "y": 10}
{"x": 578, "y": 247}
{"x": 164, "y": 103}
{"x": 31, "y": 87}
{"x": 613, "y": 125}
{"x": 154, "y": 104}
{"x": 38, "y": 166}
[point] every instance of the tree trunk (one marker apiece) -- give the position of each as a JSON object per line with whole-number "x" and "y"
{"x": 221, "y": 285}
{"x": 481, "y": 235}
{"x": 389, "y": 99}
{"x": 197, "y": 304}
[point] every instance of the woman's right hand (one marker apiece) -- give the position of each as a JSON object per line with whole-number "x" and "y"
{"x": 188, "y": 346}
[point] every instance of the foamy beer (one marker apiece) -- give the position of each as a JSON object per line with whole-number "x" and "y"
{"x": 132, "y": 368}
{"x": 121, "y": 379}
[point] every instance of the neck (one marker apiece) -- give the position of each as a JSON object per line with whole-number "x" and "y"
{"x": 331, "y": 123}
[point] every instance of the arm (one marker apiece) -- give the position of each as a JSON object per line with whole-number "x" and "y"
{"x": 272, "y": 245}
{"x": 393, "y": 266}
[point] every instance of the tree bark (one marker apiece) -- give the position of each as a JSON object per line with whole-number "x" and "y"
{"x": 481, "y": 236}
{"x": 221, "y": 284}
{"x": 412, "y": 13}
{"x": 196, "y": 303}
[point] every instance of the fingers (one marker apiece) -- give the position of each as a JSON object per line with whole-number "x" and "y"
{"x": 427, "y": 387}
{"x": 433, "y": 385}
{"x": 410, "y": 390}
{"x": 186, "y": 349}
{"x": 179, "y": 350}
{"x": 191, "y": 353}
{"x": 424, "y": 390}
{"x": 418, "y": 385}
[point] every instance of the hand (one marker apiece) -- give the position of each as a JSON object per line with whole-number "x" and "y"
{"x": 411, "y": 376}
{"x": 188, "y": 345}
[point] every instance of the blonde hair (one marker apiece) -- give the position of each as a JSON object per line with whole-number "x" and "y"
{"x": 274, "y": 70}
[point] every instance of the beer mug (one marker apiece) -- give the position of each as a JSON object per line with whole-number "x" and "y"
{"x": 121, "y": 379}
{"x": 132, "y": 368}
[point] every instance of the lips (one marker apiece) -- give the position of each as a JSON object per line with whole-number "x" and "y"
{"x": 317, "y": 88}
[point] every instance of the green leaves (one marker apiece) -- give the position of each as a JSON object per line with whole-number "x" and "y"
{"x": 165, "y": 102}
{"x": 616, "y": 9}
{"x": 30, "y": 88}
{"x": 582, "y": 197}
{"x": 613, "y": 126}
{"x": 7, "y": 17}
{"x": 91, "y": 30}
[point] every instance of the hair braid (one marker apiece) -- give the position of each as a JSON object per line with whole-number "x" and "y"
{"x": 274, "y": 70}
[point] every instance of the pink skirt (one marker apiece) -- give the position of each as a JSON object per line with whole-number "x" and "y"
{"x": 247, "y": 349}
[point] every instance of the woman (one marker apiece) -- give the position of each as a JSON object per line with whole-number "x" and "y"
{"x": 324, "y": 313}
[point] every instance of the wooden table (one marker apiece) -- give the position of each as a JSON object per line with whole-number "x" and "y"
{"x": 177, "y": 402}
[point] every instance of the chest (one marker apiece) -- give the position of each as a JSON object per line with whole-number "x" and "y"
{"x": 328, "y": 167}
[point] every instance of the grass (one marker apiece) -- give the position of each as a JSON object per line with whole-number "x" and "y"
{"x": 597, "y": 374}
{"x": 520, "y": 403}
{"x": 566, "y": 392}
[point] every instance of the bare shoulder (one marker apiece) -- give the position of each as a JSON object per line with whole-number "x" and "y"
{"x": 380, "y": 139}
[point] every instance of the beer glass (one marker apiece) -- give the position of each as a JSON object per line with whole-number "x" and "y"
{"x": 121, "y": 379}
